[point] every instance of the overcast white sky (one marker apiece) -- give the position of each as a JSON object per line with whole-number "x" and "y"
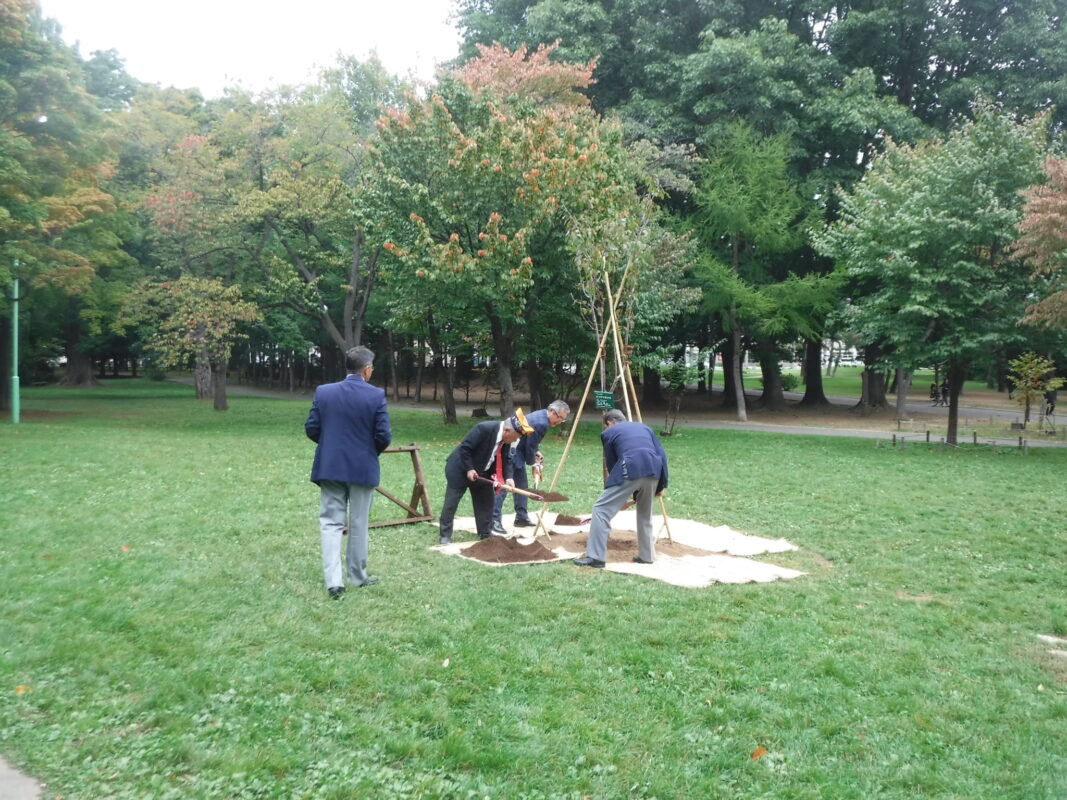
{"x": 257, "y": 44}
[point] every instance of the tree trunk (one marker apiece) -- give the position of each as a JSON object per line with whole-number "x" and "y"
{"x": 5, "y": 364}
{"x": 814, "y": 396}
{"x": 773, "y": 397}
{"x": 394, "y": 381}
{"x": 202, "y": 376}
{"x": 653, "y": 388}
{"x": 79, "y": 371}
{"x": 218, "y": 384}
{"x": 79, "y": 367}
{"x": 420, "y": 369}
{"x": 873, "y": 396}
{"x": 503, "y": 349}
{"x": 535, "y": 378}
{"x": 903, "y": 382}
{"x": 448, "y": 399}
{"x": 735, "y": 366}
{"x": 955, "y": 385}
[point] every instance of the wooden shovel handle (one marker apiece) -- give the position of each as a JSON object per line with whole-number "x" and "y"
{"x": 514, "y": 489}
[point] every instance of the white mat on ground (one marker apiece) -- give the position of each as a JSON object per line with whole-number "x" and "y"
{"x": 689, "y": 570}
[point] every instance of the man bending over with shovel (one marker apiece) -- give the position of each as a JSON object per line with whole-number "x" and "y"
{"x": 637, "y": 466}
{"x": 478, "y": 464}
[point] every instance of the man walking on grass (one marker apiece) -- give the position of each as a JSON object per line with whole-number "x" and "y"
{"x": 349, "y": 423}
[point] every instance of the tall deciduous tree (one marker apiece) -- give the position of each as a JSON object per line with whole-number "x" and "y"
{"x": 747, "y": 206}
{"x": 54, "y": 159}
{"x": 924, "y": 237}
{"x": 485, "y": 180}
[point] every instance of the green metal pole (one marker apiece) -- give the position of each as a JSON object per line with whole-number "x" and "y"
{"x": 15, "y": 350}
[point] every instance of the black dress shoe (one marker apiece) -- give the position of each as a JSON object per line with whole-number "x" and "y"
{"x": 336, "y": 592}
{"x": 523, "y": 522}
{"x": 639, "y": 560}
{"x": 446, "y": 540}
{"x": 586, "y": 561}
{"x": 498, "y": 528}
{"x": 369, "y": 582}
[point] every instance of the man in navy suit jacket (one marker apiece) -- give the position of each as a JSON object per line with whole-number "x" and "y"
{"x": 637, "y": 466}
{"x": 349, "y": 422}
{"x": 483, "y": 453}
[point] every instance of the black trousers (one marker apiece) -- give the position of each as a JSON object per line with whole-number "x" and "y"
{"x": 481, "y": 498}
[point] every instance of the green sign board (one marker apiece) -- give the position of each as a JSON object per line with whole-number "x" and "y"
{"x": 604, "y": 399}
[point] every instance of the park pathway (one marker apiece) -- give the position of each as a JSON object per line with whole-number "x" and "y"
{"x": 16, "y": 786}
{"x": 921, "y": 406}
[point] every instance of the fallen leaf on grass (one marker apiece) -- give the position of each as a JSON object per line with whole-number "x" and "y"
{"x": 126, "y": 548}
{"x": 759, "y": 752}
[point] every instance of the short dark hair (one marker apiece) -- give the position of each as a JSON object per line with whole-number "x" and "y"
{"x": 357, "y": 358}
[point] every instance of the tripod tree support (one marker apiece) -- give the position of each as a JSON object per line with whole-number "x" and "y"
{"x": 628, "y": 386}
{"x": 629, "y": 394}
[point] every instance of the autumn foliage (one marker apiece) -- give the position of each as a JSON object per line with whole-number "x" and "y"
{"x": 528, "y": 73}
{"x": 1042, "y": 243}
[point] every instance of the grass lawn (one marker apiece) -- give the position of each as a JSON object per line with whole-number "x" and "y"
{"x": 164, "y": 630}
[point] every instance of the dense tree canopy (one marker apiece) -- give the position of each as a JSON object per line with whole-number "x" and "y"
{"x": 925, "y": 237}
{"x": 537, "y": 172}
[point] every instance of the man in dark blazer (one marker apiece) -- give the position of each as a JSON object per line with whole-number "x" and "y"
{"x": 637, "y": 467}
{"x": 349, "y": 422}
{"x": 483, "y": 453}
{"x": 525, "y": 453}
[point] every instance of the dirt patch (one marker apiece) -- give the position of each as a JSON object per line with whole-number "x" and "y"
{"x": 622, "y": 545}
{"x": 40, "y": 413}
{"x": 924, "y": 597}
{"x": 498, "y": 550}
{"x": 567, "y": 519}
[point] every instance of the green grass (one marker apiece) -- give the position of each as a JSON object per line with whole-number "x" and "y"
{"x": 164, "y": 631}
{"x": 847, "y": 382}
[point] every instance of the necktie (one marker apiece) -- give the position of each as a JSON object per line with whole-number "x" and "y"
{"x": 499, "y": 473}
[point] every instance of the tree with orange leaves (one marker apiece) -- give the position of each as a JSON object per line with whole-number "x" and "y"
{"x": 1042, "y": 243}
{"x": 484, "y": 185}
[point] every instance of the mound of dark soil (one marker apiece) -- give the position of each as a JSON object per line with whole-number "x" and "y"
{"x": 567, "y": 519}
{"x": 498, "y": 550}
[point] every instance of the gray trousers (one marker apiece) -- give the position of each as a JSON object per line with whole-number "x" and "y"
{"x": 340, "y": 503}
{"x": 608, "y": 505}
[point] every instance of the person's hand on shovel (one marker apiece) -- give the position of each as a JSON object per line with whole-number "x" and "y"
{"x": 538, "y": 469}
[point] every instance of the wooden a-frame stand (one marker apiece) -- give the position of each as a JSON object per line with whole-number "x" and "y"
{"x": 419, "y": 496}
{"x": 629, "y": 395}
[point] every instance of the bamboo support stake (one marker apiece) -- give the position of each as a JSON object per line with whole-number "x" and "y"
{"x": 577, "y": 418}
{"x": 629, "y": 382}
{"x": 617, "y": 338}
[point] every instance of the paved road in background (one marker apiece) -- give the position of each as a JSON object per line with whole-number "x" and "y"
{"x": 967, "y": 413}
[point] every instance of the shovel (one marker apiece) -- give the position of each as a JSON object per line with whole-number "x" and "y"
{"x": 544, "y": 497}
